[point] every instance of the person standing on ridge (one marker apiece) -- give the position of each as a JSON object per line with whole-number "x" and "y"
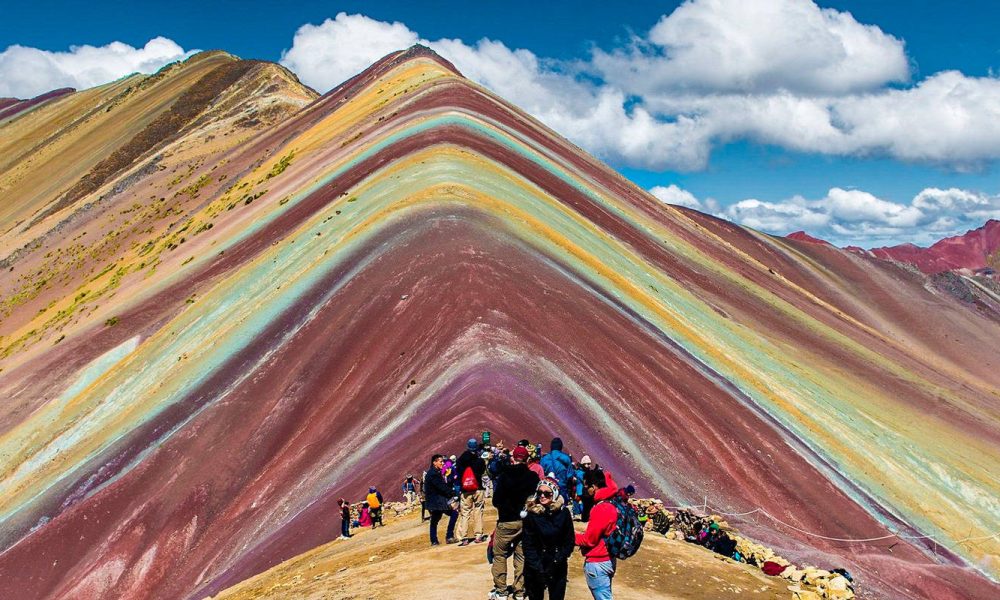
{"x": 410, "y": 490}
{"x": 345, "y": 518}
{"x": 548, "y": 541}
{"x": 559, "y": 465}
{"x": 598, "y": 565}
{"x": 513, "y": 487}
{"x": 593, "y": 479}
{"x": 472, "y": 499}
{"x": 375, "y": 505}
{"x": 438, "y": 494}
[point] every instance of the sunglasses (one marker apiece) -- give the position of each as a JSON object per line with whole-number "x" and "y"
{"x": 545, "y": 494}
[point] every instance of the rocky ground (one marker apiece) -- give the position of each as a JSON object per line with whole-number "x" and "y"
{"x": 397, "y": 562}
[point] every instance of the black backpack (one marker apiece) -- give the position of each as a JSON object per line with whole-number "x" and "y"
{"x": 625, "y": 539}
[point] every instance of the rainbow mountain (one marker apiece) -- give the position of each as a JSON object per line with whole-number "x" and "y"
{"x": 227, "y": 302}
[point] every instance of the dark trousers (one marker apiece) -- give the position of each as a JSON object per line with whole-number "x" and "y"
{"x": 436, "y": 518}
{"x": 377, "y": 517}
{"x": 536, "y": 582}
{"x": 345, "y": 527}
{"x": 588, "y": 503}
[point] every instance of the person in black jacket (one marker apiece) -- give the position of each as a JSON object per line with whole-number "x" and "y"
{"x": 548, "y": 539}
{"x": 472, "y": 498}
{"x": 439, "y": 494}
{"x": 513, "y": 487}
{"x": 593, "y": 480}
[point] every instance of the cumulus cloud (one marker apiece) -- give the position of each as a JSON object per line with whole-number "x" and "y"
{"x": 709, "y": 73}
{"x": 672, "y": 194}
{"x": 855, "y": 217}
{"x": 761, "y": 46}
{"x": 26, "y": 72}
{"x": 327, "y": 54}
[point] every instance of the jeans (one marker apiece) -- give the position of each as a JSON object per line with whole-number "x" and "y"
{"x": 535, "y": 582}
{"x": 436, "y": 518}
{"x": 507, "y": 542}
{"x": 345, "y": 527}
{"x": 599, "y": 576}
{"x": 472, "y": 505}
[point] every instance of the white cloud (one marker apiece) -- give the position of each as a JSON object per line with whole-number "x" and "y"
{"x": 672, "y": 194}
{"x": 760, "y": 46}
{"x": 854, "y": 217}
{"x": 27, "y": 72}
{"x": 325, "y": 55}
{"x": 781, "y": 72}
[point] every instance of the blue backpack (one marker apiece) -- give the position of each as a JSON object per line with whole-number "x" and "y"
{"x": 625, "y": 539}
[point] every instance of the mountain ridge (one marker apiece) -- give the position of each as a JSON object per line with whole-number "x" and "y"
{"x": 409, "y": 246}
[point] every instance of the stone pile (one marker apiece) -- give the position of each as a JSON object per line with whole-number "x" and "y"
{"x": 807, "y": 583}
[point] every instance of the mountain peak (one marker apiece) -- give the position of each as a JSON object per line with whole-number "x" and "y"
{"x": 974, "y": 249}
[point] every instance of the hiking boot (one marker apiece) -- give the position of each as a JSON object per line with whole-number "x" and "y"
{"x": 465, "y": 542}
{"x": 497, "y": 595}
{"x": 480, "y": 539}
{"x": 451, "y": 540}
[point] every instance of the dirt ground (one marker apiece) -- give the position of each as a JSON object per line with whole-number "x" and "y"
{"x": 397, "y": 561}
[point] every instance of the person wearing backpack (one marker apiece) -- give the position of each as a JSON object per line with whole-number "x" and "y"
{"x": 599, "y": 565}
{"x": 559, "y": 465}
{"x": 548, "y": 541}
{"x": 374, "y": 499}
{"x": 472, "y": 499}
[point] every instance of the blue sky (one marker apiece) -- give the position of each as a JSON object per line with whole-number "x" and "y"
{"x": 838, "y": 118}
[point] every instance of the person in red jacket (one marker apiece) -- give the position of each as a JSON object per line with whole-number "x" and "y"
{"x": 598, "y": 564}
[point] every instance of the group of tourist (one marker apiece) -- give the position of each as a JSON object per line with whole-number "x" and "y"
{"x": 536, "y": 496}
{"x": 369, "y": 513}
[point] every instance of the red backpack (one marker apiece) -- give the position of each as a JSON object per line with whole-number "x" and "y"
{"x": 470, "y": 482}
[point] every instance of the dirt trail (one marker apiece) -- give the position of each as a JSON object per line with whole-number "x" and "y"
{"x": 398, "y": 562}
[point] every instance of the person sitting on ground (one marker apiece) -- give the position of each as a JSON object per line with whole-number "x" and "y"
{"x": 439, "y": 494}
{"x": 548, "y": 540}
{"x": 659, "y": 520}
{"x": 515, "y": 484}
{"x": 364, "y": 516}
{"x": 599, "y": 565}
{"x": 593, "y": 480}
{"x": 472, "y": 497}
{"x": 345, "y": 518}
{"x": 375, "y": 505}
{"x": 560, "y": 466}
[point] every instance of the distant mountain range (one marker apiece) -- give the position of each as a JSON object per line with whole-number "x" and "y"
{"x": 975, "y": 250}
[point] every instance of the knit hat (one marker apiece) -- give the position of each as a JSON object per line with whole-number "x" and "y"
{"x": 472, "y": 444}
{"x": 556, "y": 444}
{"x": 520, "y": 454}
{"x": 585, "y": 460}
{"x": 371, "y": 489}
{"x": 552, "y": 484}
